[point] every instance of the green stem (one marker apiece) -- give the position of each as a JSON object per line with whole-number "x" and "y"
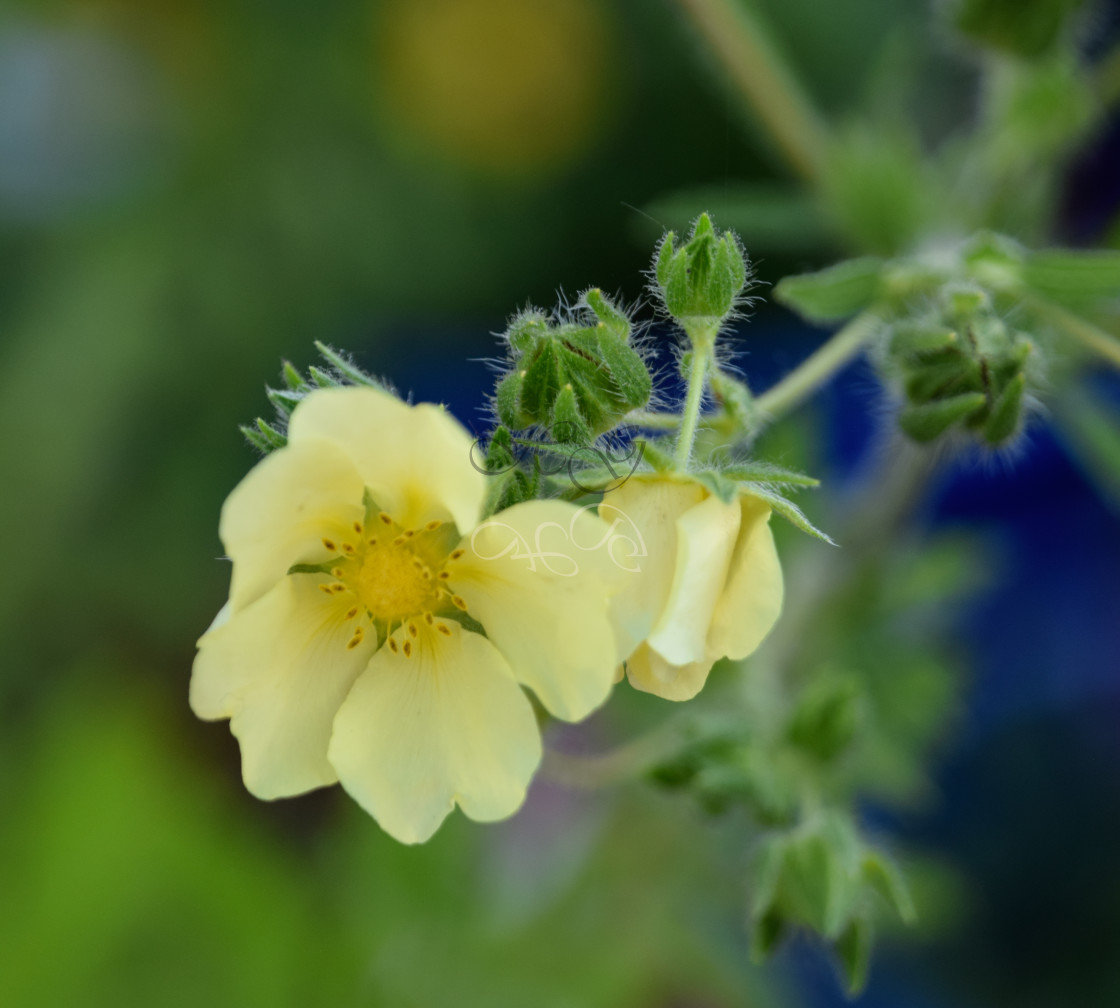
{"x": 737, "y": 39}
{"x": 815, "y": 370}
{"x": 652, "y": 421}
{"x": 1080, "y": 329}
{"x": 703, "y": 343}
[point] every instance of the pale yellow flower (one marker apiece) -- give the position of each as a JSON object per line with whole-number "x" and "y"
{"x": 364, "y": 670}
{"x": 708, "y": 583}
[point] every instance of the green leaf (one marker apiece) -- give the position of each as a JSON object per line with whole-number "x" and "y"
{"x": 832, "y": 294}
{"x": 1072, "y": 277}
{"x": 767, "y": 932}
{"x": 767, "y": 875}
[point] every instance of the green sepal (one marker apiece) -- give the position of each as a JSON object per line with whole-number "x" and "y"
{"x": 766, "y": 871}
{"x": 322, "y": 379}
{"x": 723, "y": 487}
{"x": 506, "y": 398}
{"x": 1074, "y": 278}
{"x": 883, "y": 877}
{"x": 835, "y": 293}
{"x": 820, "y": 883}
{"x": 292, "y": 378}
{"x": 766, "y": 934}
{"x": 610, "y": 318}
{"x": 853, "y": 948}
{"x": 910, "y": 338}
{"x": 1006, "y": 415}
{"x": 767, "y": 472}
{"x": 786, "y": 508}
{"x": 704, "y": 278}
{"x": 346, "y": 369}
{"x": 930, "y": 420}
{"x": 942, "y": 380}
{"x": 734, "y": 396}
{"x": 567, "y": 425}
{"x": 263, "y": 436}
{"x": 826, "y": 718}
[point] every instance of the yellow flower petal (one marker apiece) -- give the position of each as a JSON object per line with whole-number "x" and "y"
{"x": 280, "y": 512}
{"x": 705, "y": 539}
{"x": 538, "y": 576}
{"x": 647, "y": 510}
{"x": 752, "y": 598}
{"x": 416, "y": 460}
{"x": 279, "y": 669}
{"x": 648, "y": 671}
{"x": 445, "y": 724}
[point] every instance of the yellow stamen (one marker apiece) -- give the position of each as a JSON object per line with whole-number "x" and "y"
{"x": 329, "y": 543}
{"x": 456, "y": 554}
{"x": 385, "y": 518}
{"x": 433, "y": 525}
{"x": 392, "y": 645}
{"x": 444, "y": 629}
{"x": 459, "y": 603}
{"x": 408, "y": 649}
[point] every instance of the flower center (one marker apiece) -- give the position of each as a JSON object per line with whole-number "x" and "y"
{"x": 384, "y": 575}
{"x": 392, "y": 582}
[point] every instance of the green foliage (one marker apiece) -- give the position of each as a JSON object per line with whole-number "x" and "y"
{"x": 834, "y": 293}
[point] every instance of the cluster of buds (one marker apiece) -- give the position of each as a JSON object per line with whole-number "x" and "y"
{"x": 575, "y": 378}
{"x": 961, "y": 367}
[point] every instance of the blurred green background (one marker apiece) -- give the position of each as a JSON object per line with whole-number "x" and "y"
{"x": 191, "y": 191}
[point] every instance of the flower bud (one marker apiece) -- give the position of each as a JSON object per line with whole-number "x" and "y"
{"x": 703, "y": 279}
{"x": 575, "y": 378}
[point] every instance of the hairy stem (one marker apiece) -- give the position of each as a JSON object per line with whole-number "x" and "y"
{"x": 703, "y": 343}
{"x": 818, "y": 368}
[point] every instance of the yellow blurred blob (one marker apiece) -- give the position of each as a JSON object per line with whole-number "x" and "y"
{"x": 509, "y": 87}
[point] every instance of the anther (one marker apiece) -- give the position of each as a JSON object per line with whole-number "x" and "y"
{"x": 326, "y": 588}
{"x": 408, "y": 649}
{"x": 459, "y": 603}
{"x": 373, "y": 542}
{"x": 348, "y": 549}
{"x": 392, "y": 645}
{"x": 336, "y": 572}
{"x": 433, "y": 525}
{"x": 444, "y": 575}
{"x": 337, "y": 587}
{"x": 354, "y": 641}
{"x": 412, "y": 629}
{"x": 399, "y": 541}
{"x": 429, "y": 618}
{"x": 329, "y": 543}
{"x": 385, "y": 518}
{"x": 351, "y": 613}
{"x": 444, "y": 629}
{"x": 409, "y": 533}
{"x": 457, "y": 553}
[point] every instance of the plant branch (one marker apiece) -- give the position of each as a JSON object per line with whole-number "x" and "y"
{"x": 818, "y": 368}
